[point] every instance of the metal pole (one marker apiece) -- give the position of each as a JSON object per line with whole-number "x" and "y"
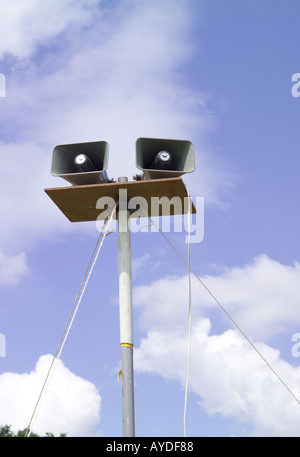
{"x": 126, "y": 326}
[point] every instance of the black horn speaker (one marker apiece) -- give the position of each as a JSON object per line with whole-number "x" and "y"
{"x": 81, "y": 163}
{"x": 162, "y": 158}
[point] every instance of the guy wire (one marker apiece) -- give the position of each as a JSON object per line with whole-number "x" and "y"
{"x": 226, "y": 312}
{"x": 71, "y": 317}
{"x": 190, "y": 315}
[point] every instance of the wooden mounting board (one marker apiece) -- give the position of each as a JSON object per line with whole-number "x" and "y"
{"x": 78, "y": 203}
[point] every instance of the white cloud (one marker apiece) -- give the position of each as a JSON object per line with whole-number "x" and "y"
{"x": 27, "y": 211}
{"x": 122, "y": 80}
{"x": 139, "y": 263}
{"x": 71, "y": 404}
{"x": 228, "y": 375}
{"x": 116, "y": 76}
{"x": 28, "y": 214}
{"x": 226, "y": 372}
{"x": 25, "y": 24}
{"x": 262, "y": 297}
{"x": 12, "y": 268}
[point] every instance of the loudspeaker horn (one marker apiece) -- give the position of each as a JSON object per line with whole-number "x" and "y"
{"x": 81, "y": 163}
{"x": 163, "y": 158}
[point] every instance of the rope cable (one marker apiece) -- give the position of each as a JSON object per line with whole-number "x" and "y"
{"x": 190, "y": 315}
{"x": 70, "y": 319}
{"x": 226, "y": 312}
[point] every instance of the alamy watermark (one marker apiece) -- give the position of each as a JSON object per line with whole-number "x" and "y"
{"x": 296, "y": 347}
{"x": 140, "y": 208}
{"x": 296, "y": 87}
{"x": 2, "y": 85}
{"x": 2, "y": 345}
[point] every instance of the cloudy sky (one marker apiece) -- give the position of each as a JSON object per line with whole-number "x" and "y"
{"x": 219, "y": 74}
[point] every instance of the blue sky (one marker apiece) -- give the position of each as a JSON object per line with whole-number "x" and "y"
{"x": 220, "y": 75}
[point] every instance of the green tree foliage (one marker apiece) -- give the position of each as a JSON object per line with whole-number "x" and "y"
{"x": 5, "y": 431}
